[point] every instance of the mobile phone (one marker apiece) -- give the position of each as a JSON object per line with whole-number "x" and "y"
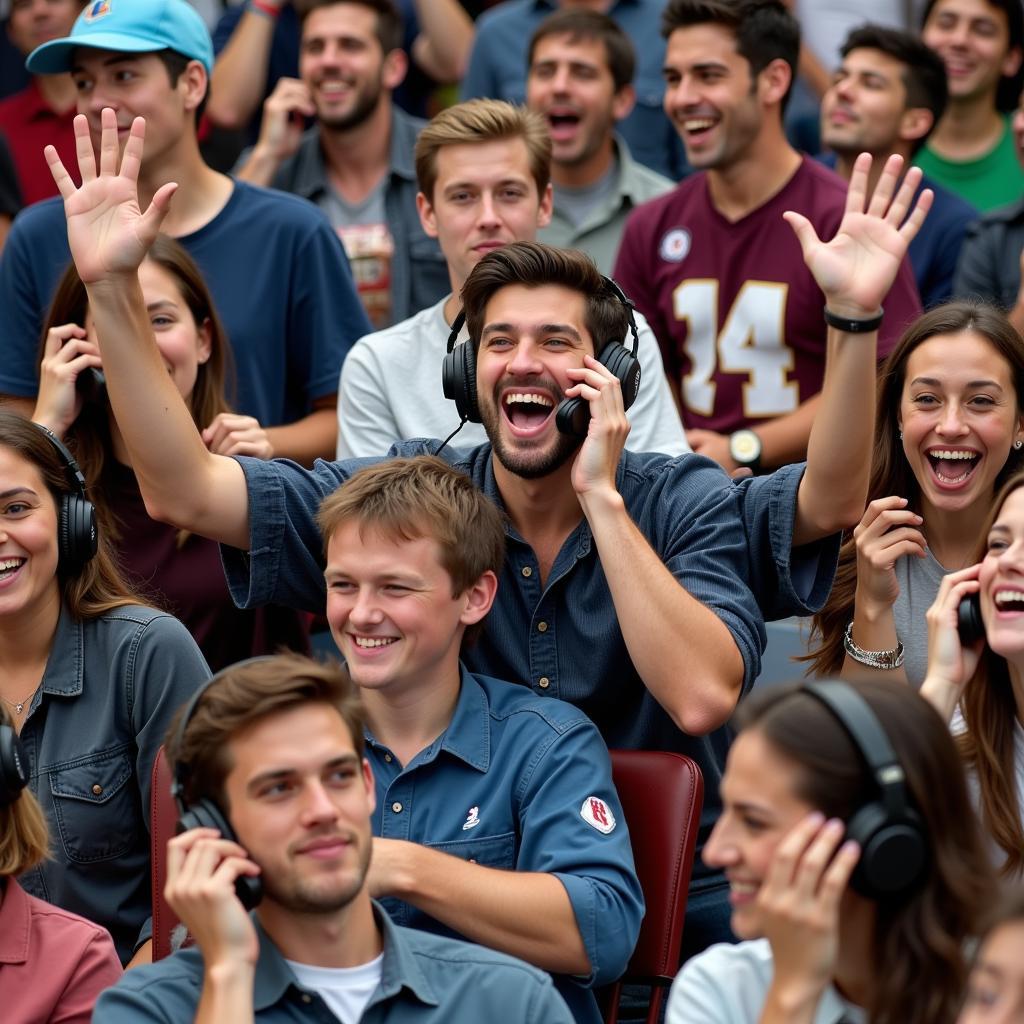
{"x": 968, "y": 620}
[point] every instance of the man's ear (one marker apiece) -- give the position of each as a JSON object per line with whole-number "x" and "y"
{"x": 195, "y": 84}
{"x": 547, "y": 203}
{"x": 773, "y": 81}
{"x": 916, "y": 123}
{"x": 479, "y": 597}
{"x": 394, "y": 69}
{"x": 428, "y": 219}
{"x": 1011, "y": 62}
{"x": 623, "y": 102}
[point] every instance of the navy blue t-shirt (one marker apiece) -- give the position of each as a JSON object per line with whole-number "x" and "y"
{"x": 279, "y": 279}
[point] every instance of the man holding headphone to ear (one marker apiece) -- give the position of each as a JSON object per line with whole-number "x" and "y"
{"x": 633, "y": 585}
{"x": 271, "y": 753}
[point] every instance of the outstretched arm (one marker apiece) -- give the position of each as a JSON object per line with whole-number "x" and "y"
{"x": 181, "y": 481}
{"x": 855, "y": 271}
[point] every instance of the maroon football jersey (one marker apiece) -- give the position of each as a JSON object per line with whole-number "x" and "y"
{"x": 737, "y": 313}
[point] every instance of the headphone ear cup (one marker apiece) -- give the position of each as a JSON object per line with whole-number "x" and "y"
{"x": 206, "y": 814}
{"x": 13, "y": 766}
{"x": 458, "y": 379}
{"x": 77, "y": 539}
{"x": 892, "y": 853}
{"x": 625, "y": 366}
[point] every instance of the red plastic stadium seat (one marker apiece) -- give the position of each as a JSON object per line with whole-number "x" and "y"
{"x": 661, "y": 796}
{"x": 163, "y": 818}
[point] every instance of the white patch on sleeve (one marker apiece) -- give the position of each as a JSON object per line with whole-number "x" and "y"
{"x": 597, "y": 813}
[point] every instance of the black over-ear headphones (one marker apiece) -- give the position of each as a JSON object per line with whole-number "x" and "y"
{"x": 76, "y": 516}
{"x": 13, "y": 766}
{"x": 458, "y": 373}
{"x": 205, "y": 813}
{"x": 891, "y": 836}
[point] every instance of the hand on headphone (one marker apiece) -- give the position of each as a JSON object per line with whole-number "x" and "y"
{"x": 67, "y": 353}
{"x": 798, "y": 905}
{"x": 594, "y": 470}
{"x": 950, "y": 663}
{"x": 201, "y": 873}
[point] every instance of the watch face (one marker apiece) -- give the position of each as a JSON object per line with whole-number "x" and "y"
{"x": 745, "y": 446}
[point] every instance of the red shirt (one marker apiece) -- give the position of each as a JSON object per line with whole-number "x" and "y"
{"x": 733, "y": 305}
{"x": 30, "y": 123}
{"x": 53, "y": 964}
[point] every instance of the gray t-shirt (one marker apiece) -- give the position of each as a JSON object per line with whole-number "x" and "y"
{"x": 919, "y": 580}
{"x": 575, "y": 204}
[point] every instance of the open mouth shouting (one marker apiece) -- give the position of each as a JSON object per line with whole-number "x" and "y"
{"x": 563, "y": 123}
{"x": 952, "y": 467}
{"x": 527, "y": 411}
{"x": 1008, "y": 601}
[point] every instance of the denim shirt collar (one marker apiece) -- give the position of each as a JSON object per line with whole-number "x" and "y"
{"x": 400, "y": 969}
{"x": 311, "y": 171}
{"x": 65, "y": 667}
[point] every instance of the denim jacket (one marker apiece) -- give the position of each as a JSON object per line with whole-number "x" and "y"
{"x": 107, "y": 696}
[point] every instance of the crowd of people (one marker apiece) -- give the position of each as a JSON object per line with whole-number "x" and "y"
{"x": 532, "y": 355}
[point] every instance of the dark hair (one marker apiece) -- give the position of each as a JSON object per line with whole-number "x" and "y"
{"x": 533, "y": 264}
{"x": 765, "y": 30}
{"x": 583, "y": 25}
{"x": 175, "y": 64}
{"x": 244, "y": 694}
{"x": 389, "y": 20}
{"x": 987, "y": 743}
{"x": 890, "y": 471}
{"x": 89, "y": 436}
{"x": 1009, "y": 89}
{"x": 923, "y": 75}
{"x": 98, "y": 586}
{"x": 918, "y": 950}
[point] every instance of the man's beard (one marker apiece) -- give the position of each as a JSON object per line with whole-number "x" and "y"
{"x": 530, "y": 465}
{"x": 366, "y": 102}
{"x": 303, "y": 896}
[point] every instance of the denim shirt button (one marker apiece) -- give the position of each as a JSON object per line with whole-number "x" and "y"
{"x": 97, "y": 789}
{"x": 527, "y": 571}
{"x": 306, "y": 997}
{"x": 543, "y": 682}
{"x": 387, "y": 757}
{"x": 396, "y": 807}
{"x": 542, "y": 627}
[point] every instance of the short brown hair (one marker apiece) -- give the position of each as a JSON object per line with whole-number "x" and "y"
{"x": 483, "y": 121}
{"x": 24, "y": 840}
{"x": 389, "y": 19}
{"x": 423, "y": 497}
{"x": 583, "y": 25}
{"x": 533, "y": 264}
{"x": 243, "y": 694}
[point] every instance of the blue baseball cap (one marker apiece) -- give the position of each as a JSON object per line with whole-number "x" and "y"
{"x": 128, "y": 26}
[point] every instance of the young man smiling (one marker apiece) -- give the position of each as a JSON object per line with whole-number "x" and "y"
{"x": 496, "y": 814}
{"x": 612, "y": 556}
{"x": 277, "y": 745}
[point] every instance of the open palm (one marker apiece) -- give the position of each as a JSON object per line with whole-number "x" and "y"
{"x": 856, "y": 269}
{"x": 108, "y": 233}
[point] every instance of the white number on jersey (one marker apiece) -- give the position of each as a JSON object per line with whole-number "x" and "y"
{"x": 751, "y": 342}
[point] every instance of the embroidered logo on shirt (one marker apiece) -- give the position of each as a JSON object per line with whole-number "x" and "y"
{"x": 675, "y": 245}
{"x": 472, "y": 819}
{"x": 597, "y": 813}
{"x": 97, "y": 10}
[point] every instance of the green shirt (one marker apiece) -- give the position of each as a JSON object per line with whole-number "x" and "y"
{"x": 992, "y": 180}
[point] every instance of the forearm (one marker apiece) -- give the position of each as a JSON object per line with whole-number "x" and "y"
{"x": 259, "y": 168}
{"x": 313, "y": 437}
{"x": 941, "y": 694}
{"x": 240, "y": 72}
{"x": 227, "y": 995}
{"x": 445, "y": 39}
{"x": 834, "y": 488}
{"x": 525, "y": 914}
{"x": 654, "y": 612}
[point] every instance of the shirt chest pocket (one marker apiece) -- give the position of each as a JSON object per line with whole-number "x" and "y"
{"x": 490, "y": 851}
{"x": 95, "y": 808}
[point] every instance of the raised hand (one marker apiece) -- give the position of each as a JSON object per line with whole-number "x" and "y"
{"x": 109, "y": 235}
{"x": 887, "y": 531}
{"x": 856, "y": 269}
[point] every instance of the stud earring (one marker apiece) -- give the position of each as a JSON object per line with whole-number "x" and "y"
{"x": 901, "y": 435}
{"x": 1018, "y": 444}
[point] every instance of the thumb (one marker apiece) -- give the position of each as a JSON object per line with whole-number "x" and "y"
{"x": 157, "y": 210}
{"x": 802, "y": 228}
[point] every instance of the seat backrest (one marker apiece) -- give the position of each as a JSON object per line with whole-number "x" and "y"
{"x": 163, "y": 821}
{"x": 661, "y": 795}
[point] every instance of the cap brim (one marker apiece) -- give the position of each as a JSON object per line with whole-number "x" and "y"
{"x": 54, "y": 57}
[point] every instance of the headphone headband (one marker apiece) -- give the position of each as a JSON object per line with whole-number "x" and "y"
{"x": 71, "y": 468}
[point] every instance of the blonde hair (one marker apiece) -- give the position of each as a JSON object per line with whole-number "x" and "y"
{"x": 477, "y": 121}
{"x": 24, "y": 839}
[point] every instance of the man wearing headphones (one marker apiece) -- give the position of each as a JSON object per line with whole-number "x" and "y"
{"x": 272, "y": 752}
{"x": 613, "y": 558}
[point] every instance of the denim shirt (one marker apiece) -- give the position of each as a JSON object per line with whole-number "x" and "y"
{"x": 509, "y": 784}
{"x": 419, "y": 272}
{"x": 728, "y": 544}
{"x": 425, "y": 979}
{"x": 110, "y": 689}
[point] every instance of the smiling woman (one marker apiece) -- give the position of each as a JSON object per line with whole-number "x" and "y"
{"x": 949, "y": 430}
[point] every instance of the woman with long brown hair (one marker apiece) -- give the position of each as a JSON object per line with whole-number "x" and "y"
{"x": 977, "y": 682}
{"x": 177, "y": 571}
{"x": 856, "y": 867}
{"x": 949, "y": 430}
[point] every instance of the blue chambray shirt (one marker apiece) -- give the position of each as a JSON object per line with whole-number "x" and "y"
{"x": 729, "y": 544}
{"x": 506, "y": 785}
{"x": 425, "y": 979}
